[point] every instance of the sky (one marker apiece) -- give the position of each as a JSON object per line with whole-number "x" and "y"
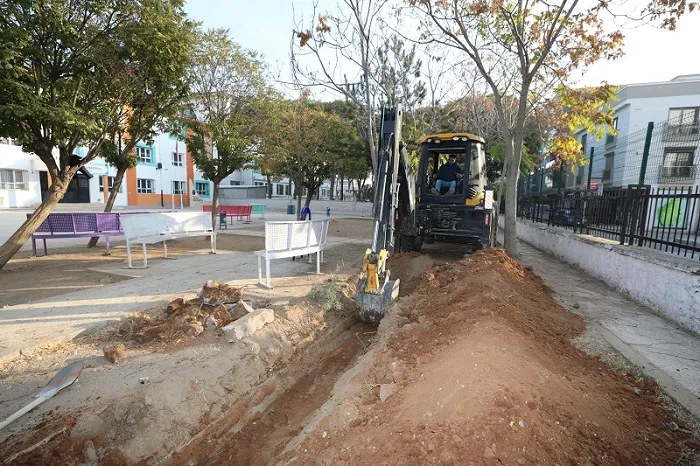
{"x": 651, "y": 54}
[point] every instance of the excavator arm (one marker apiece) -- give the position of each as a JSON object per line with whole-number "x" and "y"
{"x": 376, "y": 289}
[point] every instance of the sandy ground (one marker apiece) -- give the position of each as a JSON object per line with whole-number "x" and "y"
{"x": 73, "y": 268}
{"x": 474, "y": 365}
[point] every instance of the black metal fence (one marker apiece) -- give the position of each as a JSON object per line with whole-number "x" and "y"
{"x": 660, "y": 153}
{"x": 665, "y": 219}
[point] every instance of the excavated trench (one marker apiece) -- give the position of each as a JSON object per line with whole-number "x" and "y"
{"x": 270, "y": 426}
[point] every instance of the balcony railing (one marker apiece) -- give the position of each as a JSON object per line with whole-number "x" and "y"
{"x": 685, "y": 132}
{"x": 678, "y": 173}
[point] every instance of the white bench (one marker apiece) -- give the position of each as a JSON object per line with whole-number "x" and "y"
{"x": 290, "y": 239}
{"x": 156, "y": 227}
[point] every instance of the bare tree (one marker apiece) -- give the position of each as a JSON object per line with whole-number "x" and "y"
{"x": 342, "y": 48}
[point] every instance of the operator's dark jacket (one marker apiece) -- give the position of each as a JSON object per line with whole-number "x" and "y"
{"x": 449, "y": 172}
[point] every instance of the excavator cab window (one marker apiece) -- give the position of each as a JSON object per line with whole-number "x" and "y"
{"x": 477, "y": 167}
{"x": 436, "y": 159}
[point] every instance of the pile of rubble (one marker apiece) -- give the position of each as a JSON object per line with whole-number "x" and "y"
{"x": 217, "y": 306}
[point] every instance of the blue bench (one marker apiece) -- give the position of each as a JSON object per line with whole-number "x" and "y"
{"x": 259, "y": 209}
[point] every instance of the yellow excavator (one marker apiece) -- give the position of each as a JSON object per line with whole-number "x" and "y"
{"x": 412, "y": 208}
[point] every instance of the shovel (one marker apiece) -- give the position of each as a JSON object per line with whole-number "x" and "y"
{"x": 61, "y": 380}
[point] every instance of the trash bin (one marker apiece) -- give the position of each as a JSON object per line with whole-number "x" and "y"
{"x": 291, "y": 210}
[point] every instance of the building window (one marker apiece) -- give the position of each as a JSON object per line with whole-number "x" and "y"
{"x": 584, "y": 140}
{"x": 144, "y": 154}
{"x": 144, "y": 186}
{"x": 287, "y": 190}
{"x": 110, "y": 183}
{"x": 579, "y": 176}
{"x": 609, "y": 165}
{"x": 179, "y": 187}
{"x": 683, "y": 122}
{"x": 177, "y": 159}
{"x": 202, "y": 188}
{"x": 234, "y": 183}
{"x": 260, "y": 183}
{"x": 279, "y": 189}
{"x": 610, "y": 138}
{"x": 678, "y": 164}
{"x": 14, "y": 179}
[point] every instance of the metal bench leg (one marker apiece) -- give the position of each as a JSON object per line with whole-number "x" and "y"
{"x": 46, "y": 252}
{"x": 109, "y": 251}
{"x": 267, "y": 272}
{"x": 318, "y": 262}
{"x": 165, "y": 249}
{"x": 259, "y": 270}
{"x": 213, "y": 242}
{"x": 33, "y": 246}
{"x": 145, "y": 260}
{"x": 128, "y": 254}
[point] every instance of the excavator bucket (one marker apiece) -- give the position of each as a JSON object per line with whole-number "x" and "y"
{"x": 371, "y": 306}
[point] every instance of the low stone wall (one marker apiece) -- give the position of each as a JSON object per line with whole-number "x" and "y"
{"x": 666, "y": 283}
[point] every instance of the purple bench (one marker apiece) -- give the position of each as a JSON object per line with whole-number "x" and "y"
{"x": 78, "y": 225}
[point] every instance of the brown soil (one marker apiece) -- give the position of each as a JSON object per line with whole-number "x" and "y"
{"x": 483, "y": 372}
{"x": 355, "y": 228}
{"x": 475, "y": 366}
{"x": 411, "y": 268}
{"x": 69, "y": 269}
{"x": 284, "y": 417}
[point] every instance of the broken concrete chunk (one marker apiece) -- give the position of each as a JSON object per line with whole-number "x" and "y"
{"x": 194, "y": 302}
{"x": 386, "y": 390}
{"x": 174, "y": 306}
{"x": 115, "y": 353}
{"x": 210, "y": 323}
{"x": 240, "y": 309}
{"x": 248, "y": 325}
{"x": 147, "y": 334}
{"x": 217, "y": 292}
{"x": 192, "y": 328}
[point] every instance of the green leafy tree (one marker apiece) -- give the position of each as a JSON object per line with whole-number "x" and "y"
{"x": 66, "y": 72}
{"x": 227, "y": 116}
{"x": 310, "y": 141}
{"x": 157, "y": 91}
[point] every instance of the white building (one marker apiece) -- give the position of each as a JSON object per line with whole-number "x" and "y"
{"x": 674, "y": 108}
{"x": 164, "y": 176}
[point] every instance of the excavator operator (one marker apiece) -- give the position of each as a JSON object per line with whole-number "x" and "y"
{"x": 448, "y": 175}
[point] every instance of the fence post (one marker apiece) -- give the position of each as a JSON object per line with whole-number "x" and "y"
{"x": 527, "y": 191}
{"x": 590, "y": 169}
{"x": 542, "y": 172}
{"x": 645, "y": 155}
{"x": 561, "y": 176}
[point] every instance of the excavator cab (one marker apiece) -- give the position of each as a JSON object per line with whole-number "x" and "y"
{"x": 453, "y": 210}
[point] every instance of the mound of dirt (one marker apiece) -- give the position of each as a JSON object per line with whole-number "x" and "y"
{"x": 476, "y": 367}
{"x": 411, "y": 268}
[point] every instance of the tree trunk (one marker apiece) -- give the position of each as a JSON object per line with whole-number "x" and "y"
{"x": 215, "y": 205}
{"x": 309, "y": 196}
{"x": 110, "y": 201}
{"x": 298, "y": 190}
{"x": 514, "y": 150}
{"x": 269, "y": 186}
{"x": 332, "y": 193}
{"x": 29, "y": 227}
{"x": 342, "y": 187}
